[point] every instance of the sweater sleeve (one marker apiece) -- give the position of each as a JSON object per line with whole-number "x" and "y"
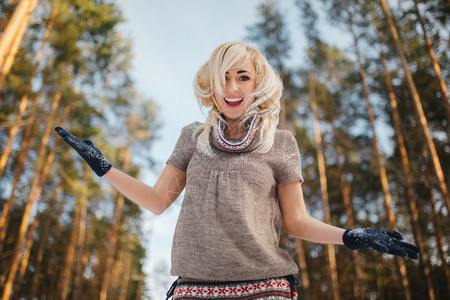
{"x": 184, "y": 148}
{"x": 289, "y": 163}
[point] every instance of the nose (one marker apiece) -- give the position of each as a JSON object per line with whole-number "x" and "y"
{"x": 232, "y": 86}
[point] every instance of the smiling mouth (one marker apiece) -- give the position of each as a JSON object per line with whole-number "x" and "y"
{"x": 233, "y": 101}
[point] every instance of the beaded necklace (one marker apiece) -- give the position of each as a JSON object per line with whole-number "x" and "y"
{"x": 239, "y": 144}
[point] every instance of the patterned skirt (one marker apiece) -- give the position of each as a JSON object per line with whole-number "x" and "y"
{"x": 274, "y": 289}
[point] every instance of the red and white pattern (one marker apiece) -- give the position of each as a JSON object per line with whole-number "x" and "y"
{"x": 228, "y": 145}
{"x": 276, "y": 288}
{"x": 236, "y": 145}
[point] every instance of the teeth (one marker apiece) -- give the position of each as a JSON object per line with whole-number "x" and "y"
{"x": 233, "y": 99}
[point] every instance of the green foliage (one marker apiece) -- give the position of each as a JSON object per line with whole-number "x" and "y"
{"x": 271, "y": 34}
{"x": 345, "y": 130}
{"x": 86, "y": 61}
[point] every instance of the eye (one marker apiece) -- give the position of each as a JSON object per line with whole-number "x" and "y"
{"x": 244, "y": 78}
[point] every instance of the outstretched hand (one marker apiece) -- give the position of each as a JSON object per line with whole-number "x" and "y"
{"x": 384, "y": 241}
{"x": 87, "y": 150}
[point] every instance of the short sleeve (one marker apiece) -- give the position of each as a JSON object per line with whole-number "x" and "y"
{"x": 288, "y": 163}
{"x": 184, "y": 148}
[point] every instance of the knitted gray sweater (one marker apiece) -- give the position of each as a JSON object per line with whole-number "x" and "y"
{"x": 230, "y": 221}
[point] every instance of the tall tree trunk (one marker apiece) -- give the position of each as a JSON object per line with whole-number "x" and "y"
{"x": 125, "y": 274}
{"x": 140, "y": 284}
{"x": 24, "y": 100}
{"x": 14, "y": 48}
{"x": 27, "y": 141}
{"x": 381, "y": 278}
{"x": 303, "y": 270}
{"x": 43, "y": 241}
{"x": 26, "y": 257}
{"x": 77, "y": 235}
{"x": 79, "y": 267}
{"x": 324, "y": 191}
{"x": 12, "y": 36}
{"x": 434, "y": 62}
{"x": 118, "y": 270}
{"x": 114, "y": 232}
{"x": 381, "y": 168}
{"x": 6, "y": 14}
{"x": 53, "y": 269}
{"x": 345, "y": 189}
{"x": 437, "y": 223}
{"x": 410, "y": 199}
{"x": 35, "y": 223}
{"x": 11, "y": 30}
{"x": 69, "y": 259}
{"x": 32, "y": 197}
{"x": 418, "y": 107}
{"x": 385, "y": 187}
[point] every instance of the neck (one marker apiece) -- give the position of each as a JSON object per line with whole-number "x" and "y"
{"x": 235, "y": 130}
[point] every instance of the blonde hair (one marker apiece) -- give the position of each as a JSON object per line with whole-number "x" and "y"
{"x": 267, "y": 94}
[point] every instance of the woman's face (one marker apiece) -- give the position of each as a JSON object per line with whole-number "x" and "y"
{"x": 240, "y": 83}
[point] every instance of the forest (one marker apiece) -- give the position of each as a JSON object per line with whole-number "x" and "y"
{"x": 372, "y": 122}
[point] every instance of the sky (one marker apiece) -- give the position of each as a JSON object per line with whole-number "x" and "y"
{"x": 171, "y": 40}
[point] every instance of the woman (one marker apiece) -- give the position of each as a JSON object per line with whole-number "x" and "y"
{"x": 242, "y": 179}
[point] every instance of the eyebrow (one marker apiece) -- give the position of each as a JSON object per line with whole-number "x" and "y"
{"x": 239, "y": 72}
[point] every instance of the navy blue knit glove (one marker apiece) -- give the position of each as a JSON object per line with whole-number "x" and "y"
{"x": 384, "y": 241}
{"x": 87, "y": 150}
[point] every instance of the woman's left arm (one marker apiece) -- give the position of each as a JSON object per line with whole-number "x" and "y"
{"x": 297, "y": 221}
{"x": 300, "y": 225}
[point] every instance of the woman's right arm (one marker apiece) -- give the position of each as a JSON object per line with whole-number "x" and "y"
{"x": 155, "y": 198}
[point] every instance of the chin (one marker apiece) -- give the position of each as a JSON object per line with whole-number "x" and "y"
{"x": 232, "y": 116}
